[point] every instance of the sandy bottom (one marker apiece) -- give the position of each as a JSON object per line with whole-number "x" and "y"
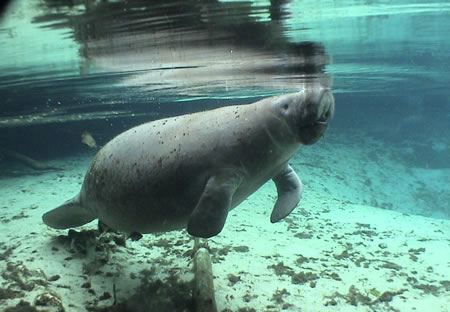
{"x": 355, "y": 243}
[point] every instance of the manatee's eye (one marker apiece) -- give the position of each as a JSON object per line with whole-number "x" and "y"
{"x": 285, "y": 106}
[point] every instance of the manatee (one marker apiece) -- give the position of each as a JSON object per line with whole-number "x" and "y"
{"x": 189, "y": 171}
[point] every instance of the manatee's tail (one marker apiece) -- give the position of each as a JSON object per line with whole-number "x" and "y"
{"x": 68, "y": 215}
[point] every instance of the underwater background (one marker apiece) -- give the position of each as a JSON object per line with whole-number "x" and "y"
{"x": 372, "y": 232}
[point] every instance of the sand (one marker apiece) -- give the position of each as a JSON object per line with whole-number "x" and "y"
{"x": 362, "y": 239}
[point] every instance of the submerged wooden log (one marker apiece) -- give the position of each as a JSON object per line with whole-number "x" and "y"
{"x": 203, "y": 282}
{"x": 29, "y": 162}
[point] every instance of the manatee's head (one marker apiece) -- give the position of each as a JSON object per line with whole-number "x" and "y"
{"x": 307, "y": 112}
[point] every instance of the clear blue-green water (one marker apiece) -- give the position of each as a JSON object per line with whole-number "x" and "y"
{"x": 67, "y": 67}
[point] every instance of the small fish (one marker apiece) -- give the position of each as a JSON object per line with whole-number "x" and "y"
{"x": 86, "y": 138}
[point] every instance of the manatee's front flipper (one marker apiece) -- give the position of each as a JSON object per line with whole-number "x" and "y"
{"x": 289, "y": 187}
{"x": 68, "y": 215}
{"x": 208, "y": 217}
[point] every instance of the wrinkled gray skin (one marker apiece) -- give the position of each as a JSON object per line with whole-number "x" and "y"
{"x": 192, "y": 169}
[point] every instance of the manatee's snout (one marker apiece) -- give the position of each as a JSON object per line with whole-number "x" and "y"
{"x": 317, "y": 111}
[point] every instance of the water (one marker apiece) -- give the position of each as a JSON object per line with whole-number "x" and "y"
{"x": 103, "y": 67}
